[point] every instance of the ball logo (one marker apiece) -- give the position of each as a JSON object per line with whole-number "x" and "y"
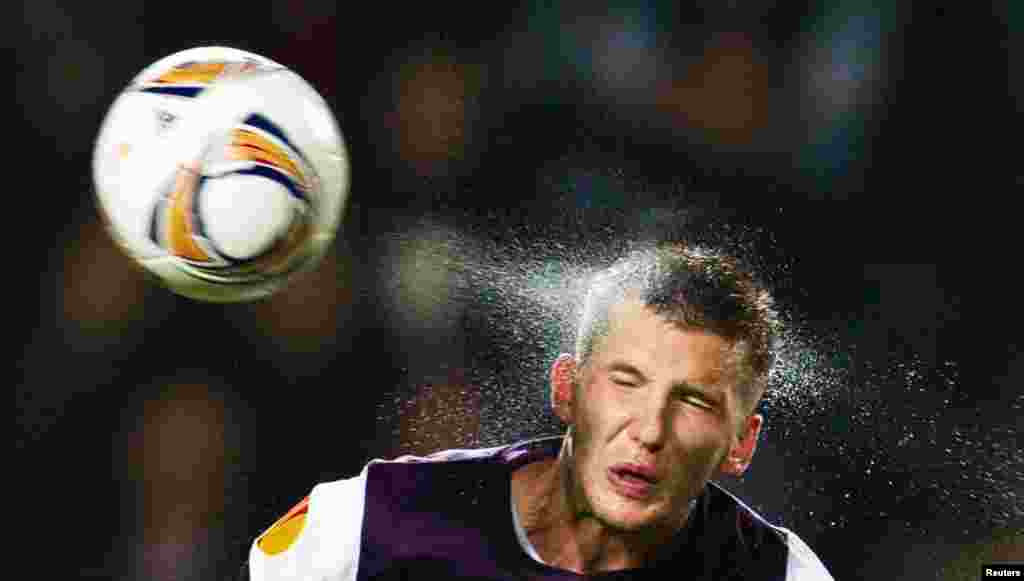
{"x": 283, "y": 533}
{"x": 164, "y": 120}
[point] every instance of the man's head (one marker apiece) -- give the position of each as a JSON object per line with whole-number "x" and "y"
{"x": 694, "y": 288}
{"x": 672, "y": 354}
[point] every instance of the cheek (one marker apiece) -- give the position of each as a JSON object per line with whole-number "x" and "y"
{"x": 700, "y": 442}
{"x": 603, "y": 413}
{"x": 586, "y": 403}
{"x": 598, "y": 420}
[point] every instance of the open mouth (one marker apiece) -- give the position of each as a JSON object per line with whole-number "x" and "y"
{"x": 632, "y": 475}
{"x": 632, "y": 481}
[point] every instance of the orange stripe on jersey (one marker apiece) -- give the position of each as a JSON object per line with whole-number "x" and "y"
{"x": 191, "y": 73}
{"x": 283, "y": 533}
{"x": 179, "y": 219}
{"x": 248, "y": 145}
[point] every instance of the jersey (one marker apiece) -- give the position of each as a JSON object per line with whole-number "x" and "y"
{"x": 450, "y": 516}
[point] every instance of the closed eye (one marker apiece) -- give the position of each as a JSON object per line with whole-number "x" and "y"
{"x": 624, "y": 382}
{"x": 625, "y": 375}
{"x": 698, "y": 401}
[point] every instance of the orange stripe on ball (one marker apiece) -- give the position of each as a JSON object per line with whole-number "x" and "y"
{"x": 250, "y": 146}
{"x": 180, "y": 226}
{"x": 191, "y": 73}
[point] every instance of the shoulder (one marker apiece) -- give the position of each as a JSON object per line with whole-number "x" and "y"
{"x": 321, "y": 536}
{"x": 317, "y": 539}
{"x": 802, "y": 564}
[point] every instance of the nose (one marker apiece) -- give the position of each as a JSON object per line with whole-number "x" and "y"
{"x": 649, "y": 420}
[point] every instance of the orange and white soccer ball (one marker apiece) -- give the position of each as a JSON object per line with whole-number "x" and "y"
{"x": 222, "y": 173}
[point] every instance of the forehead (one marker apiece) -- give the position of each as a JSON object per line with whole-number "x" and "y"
{"x": 640, "y": 337}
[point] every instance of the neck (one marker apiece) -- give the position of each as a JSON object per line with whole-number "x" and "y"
{"x": 566, "y": 534}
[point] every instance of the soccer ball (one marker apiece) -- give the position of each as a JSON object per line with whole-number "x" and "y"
{"x": 222, "y": 173}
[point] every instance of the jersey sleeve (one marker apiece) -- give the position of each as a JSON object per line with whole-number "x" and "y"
{"x": 318, "y": 539}
{"x": 803, "y": 564}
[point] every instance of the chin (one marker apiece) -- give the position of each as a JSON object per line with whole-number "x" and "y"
{"x": 627, "y": 516}
{"x": 627, "y": 525}
{"x": 632, "y": 522}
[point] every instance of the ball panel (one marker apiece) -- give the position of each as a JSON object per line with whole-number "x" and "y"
{"x": 244, "y": 215}
{"x": 128, "y": 162}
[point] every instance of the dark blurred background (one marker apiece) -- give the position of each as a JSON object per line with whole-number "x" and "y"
{"x": 860, "y": 154}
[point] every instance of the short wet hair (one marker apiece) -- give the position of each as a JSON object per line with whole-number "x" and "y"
{"x": 697, "y": 288}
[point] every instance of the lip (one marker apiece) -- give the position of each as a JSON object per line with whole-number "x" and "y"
{"x": 634, "y": 481}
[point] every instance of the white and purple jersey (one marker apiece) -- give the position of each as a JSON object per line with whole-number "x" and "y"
{"x": 450, "y": 516}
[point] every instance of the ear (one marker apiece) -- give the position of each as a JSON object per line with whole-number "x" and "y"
{"x": 738, "y": 459}
{"x": 563, "y": 383}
